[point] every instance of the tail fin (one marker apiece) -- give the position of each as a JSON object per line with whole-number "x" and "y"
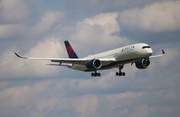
{"x": 70, "y": 50}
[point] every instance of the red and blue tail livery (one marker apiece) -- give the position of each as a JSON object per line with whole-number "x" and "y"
{"x": 70, "y": 50}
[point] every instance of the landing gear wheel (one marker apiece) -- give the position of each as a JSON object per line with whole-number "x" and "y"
{"x": 99, "y": 74}
{"x": 123, "y": 73}
{"x": 95, "y": 74}
{"x": 117, "y": 73}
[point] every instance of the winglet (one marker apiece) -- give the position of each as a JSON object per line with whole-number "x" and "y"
{"x": 70, "y": 50}
{"x": 20, "y": 56}
{"x": 163, "y": 52}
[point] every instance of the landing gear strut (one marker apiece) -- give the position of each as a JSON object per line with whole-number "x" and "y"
{"x": 120, "y": 73}
{"x": 95, "y": 74}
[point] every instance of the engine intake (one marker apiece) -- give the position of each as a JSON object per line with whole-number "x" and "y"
{"x": 142, "y": 64}
{"x": 94, "y": 64}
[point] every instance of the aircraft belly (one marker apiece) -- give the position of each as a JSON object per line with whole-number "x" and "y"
{"x": 78, "y": 67}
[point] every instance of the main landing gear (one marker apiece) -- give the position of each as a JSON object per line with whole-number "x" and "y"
{"x": 95, "y": 74}
{"x": 120, "y": 73}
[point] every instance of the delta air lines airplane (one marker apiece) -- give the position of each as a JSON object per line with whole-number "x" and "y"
{"x": 139, "y": 53}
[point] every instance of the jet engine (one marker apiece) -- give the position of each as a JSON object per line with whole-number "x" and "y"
{"x": 94, "y": 64}
{"x": 143, "y": 63}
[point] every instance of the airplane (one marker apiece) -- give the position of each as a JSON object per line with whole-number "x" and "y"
{"x": 139, "y": 53}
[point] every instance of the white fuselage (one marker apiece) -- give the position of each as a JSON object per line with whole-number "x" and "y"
{"x": 123, "y": 55}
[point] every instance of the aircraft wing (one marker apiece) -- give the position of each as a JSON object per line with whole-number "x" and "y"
{"x": 155, "y": 56}
{"x": 80, "y": 61}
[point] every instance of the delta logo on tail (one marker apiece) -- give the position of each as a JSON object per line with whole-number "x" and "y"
{"x": 70, "y": 50}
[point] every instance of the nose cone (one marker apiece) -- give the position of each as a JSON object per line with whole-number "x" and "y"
{"x": 149, "y": 51}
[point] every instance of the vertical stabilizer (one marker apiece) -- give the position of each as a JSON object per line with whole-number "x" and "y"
{"x": 70, "y": 50}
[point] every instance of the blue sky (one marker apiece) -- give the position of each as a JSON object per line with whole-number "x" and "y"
{"x": 39, "y": 27}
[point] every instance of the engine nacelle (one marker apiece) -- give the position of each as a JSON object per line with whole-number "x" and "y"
{"x": 142, "y": 64}
{"x": 94, "y": 64}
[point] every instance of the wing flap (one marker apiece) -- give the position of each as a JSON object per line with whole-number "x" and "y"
{"x": 66, "y": 65}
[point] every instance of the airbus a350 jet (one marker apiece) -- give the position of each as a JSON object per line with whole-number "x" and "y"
{"x": 139, "y": 54}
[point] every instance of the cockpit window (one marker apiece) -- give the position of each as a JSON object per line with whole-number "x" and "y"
{"x": 145, "y": 47}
